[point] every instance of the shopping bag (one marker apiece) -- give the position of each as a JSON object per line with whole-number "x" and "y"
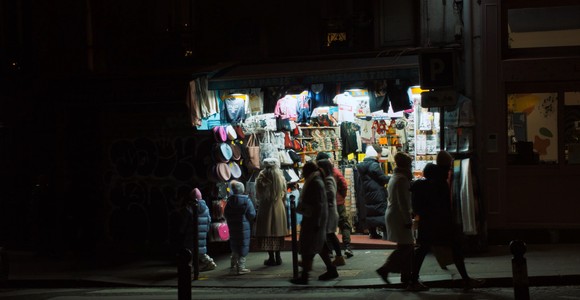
{"x": 219, "y": 231}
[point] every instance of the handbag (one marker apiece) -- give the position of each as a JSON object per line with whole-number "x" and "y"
{"x": 253, "y": 152}
{"x": 267, "y": 148}
{"x": 220, "y": 231}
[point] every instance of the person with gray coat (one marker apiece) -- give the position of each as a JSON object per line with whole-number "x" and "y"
{"x": 239, "y": 213}
{"x": 399, "y": 221}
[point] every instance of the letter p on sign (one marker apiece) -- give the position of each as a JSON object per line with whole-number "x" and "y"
{"x": 437, "y": 70}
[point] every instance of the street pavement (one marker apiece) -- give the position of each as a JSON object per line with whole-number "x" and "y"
{"x": 547, "y": 265}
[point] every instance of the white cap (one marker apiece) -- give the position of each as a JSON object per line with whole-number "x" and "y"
{"x": 371, "y": 151}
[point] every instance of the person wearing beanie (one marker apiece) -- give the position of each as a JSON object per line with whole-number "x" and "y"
{"x": 371, "y": 211}
{"x": 343, "y": 218}
{"x": 186, "y": 228}
{"x": 399, "y": 221}
{"x": 239, "y": 213}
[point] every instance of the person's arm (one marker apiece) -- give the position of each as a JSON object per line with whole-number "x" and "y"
{"x": 341, "y": 185}
{"x": 378, "y": 174}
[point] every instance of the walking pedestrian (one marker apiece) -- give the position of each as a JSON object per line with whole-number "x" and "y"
{"x": 344, "y": 225}
{"x": 431, "y": 202}
{"x": 325, "y": 167}
{"x": 399, "y": 221}
{"x": 373, "y": 180}
{"x": 271, "y": 220}
{"x": 239, "y": 212}
{"x": 314, "y": 209}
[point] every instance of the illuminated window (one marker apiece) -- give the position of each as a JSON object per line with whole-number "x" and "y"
{"x": 333, "y": 37}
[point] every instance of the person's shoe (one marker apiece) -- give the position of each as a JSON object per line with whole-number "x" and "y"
{"x": 233, "y": 271}
{"x": 330, "y": 274}
{"x": 242, "y": 271}
{"x": 208, "y": 267}
{"x": 278, "y": 261}
{"x": 417, "y": 287}
{"x": 384, "y": 273}
{"x": 338, "y": 261}
{"x": 473, "y": 283}
{"x": 348, "y": 253}
{"x": 270, "y": 262}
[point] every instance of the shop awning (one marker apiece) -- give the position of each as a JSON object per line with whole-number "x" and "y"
{"x": 310, "y": 72}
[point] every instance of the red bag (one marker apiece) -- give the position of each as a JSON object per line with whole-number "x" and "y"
{"x": 297, "y": 145}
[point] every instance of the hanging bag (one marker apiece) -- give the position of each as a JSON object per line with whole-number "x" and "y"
{"x": 267, "y": 148}
{"x": 253, "y": 151}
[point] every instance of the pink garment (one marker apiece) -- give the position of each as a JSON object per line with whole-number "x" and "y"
{"x": 286, "y": 107}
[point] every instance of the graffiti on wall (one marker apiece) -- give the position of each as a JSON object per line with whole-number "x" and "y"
{"x": 147, "y": 180}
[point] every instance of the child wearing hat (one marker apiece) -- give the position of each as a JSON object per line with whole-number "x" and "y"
{"x": 239, "y": 213}
{"x": 206, "y": 263}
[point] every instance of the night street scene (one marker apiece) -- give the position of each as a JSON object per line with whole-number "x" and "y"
{"x": 325, "y": 149}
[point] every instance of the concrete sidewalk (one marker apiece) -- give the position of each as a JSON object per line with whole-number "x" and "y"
{"x": 553, "y": 264}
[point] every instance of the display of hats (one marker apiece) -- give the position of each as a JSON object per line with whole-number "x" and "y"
{"x": 219, "y": 134}
{"x": 235, "y": 170}
{"x": 236, "y": 152}
{"x": 231, "y": 132}
{"x": 223, "y": 152}
{"x": 223, "y": 171}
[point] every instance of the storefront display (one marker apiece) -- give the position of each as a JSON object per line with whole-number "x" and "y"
{"x": 300, "y": 127}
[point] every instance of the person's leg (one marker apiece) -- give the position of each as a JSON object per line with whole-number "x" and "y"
{"x": 333, "y": 241}
{"x": 331, "y": 271}
{"x": 345, "y": 229}
{"x": 406, "y": 263}
{"x": 278, "y": 258}
{"x": 242, "y": 265}
{"x": 271, "y": 261}
{"x": 459, "y": 261}
{"x": 420, "y": 253}
{"x": 234, "y": 264}
{"x": 306, "y": 268}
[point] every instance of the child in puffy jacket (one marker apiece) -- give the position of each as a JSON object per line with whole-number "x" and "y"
{"x": 239, "y": 213}
{"x": 206, "y": 263}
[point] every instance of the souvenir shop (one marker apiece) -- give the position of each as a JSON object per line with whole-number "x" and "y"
{"x": 295, "y": 123}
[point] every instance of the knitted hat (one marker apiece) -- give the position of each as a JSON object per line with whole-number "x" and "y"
{"x": 322, "y": 155}
{"x": 196, "y": 194}
{"x": 237, "y": 187}
{"x": 371, "y": 152}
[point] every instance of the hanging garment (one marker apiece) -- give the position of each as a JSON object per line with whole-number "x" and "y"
{"x": 193, "y": 103}
{"x": 303, "y": 108}
{"x": 286, "y": 107}
{"x": 235, "y": 110}
{"x": 208, "y": 99}
{"x": 467, "y": 197}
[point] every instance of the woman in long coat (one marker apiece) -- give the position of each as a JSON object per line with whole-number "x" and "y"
{"x": 314, "y": 209}
{"x": 399, "y": 221}
{"x": 327, "y": 169}
{"x": 271, "y": 220}
{"x": 239, "y": 212}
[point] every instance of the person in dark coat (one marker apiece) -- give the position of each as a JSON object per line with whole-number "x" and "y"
{"x": 373, "y": 181}
{"x": 239, "y": 213}
{"x": 314, "y": 209}
{"x": 431, "y": 202}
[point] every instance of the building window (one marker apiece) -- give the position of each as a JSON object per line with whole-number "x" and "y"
{"x": 536, "y": 27}
{"x": 532, "y": 128}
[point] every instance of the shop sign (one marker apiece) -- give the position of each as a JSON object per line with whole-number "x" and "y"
{"x": 439, "y": 98}
{"x": 437, "y": 70}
